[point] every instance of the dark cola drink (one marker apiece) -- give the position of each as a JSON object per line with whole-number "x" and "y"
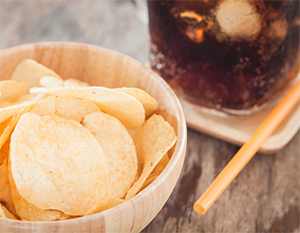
{"x": 231, "y": 55}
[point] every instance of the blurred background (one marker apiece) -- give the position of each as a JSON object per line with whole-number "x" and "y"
{"x": 108, "y": 23}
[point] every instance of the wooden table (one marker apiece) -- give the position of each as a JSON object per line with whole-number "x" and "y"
{"x": 263, "y": 198}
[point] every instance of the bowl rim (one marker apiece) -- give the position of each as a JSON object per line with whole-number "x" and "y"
{"x": 178, "y": 152}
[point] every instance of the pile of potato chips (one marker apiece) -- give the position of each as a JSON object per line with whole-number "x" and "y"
{"x": 68, "y": 149}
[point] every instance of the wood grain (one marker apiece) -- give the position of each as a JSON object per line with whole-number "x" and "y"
{"x": 263, "y": 198}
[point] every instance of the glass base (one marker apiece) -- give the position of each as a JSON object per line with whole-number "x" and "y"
{"x": 234, "y": 113}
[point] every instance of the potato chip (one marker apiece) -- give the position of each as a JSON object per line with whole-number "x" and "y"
{"x": 133, "y": 132}
{"x": 23, "y": 98}
{"x": 45, "y": 106}
{"x": 7, "y": 112}
{"x": 4, "y": 124}
{"x": 105, "y": 205}
{"x": 4, "y": 151}
{"x": 5, "y": 194}
{"x": 125, "y": 108}
{"x": 29, "y": 212}
{"x": 12, "y": 90}
{"x": 118, "y": 147}
{"x": 5, "y": 134}
{"x": 5, "y": 104}
{"x": 160, "y": 166}
{"x": 50, "y": 81}
{"x": 152, "y": 142}
{"x": 20, "y": 100}
{"x": 157, "y": 170}
{"x": 57, "y": 163}
{"x": 148, "y": 182}
{"x": 149, "y": 103}
{"x": 4, "y": 213}
{"x": 30, "y": 71}
{"x": 65, "y": 107}
{"x": 74, "y": 108}
{"x": 75, "y": 83}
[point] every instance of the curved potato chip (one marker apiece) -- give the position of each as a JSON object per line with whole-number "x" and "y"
{"x": 45, "y": 106}
{"x": 152, "y": 142}
{"x": 4, "y": 151}
{"x": 57, "y": 164}
{"x": 4, "y": 213}
{"x": 5, "y": 134}
{"x": 23, "y": 98}
{"x": 149, "y": 103}
{"x": 4, "y": 125}
{"x": 30, "y": 71}
{"x": 156, "y": 171}
{"x": 29, "y": 212}
{"x": 20, "y": 100}
{"x": 75, "y": 83}
{"x": 160, "y": 166}
{"x": 148, "y": 182}
{"x": 5, "y": 104}
{"x": 12, "y": 90}
{"x": 74, "y": 108}
{"x": 7, "y": 112}
{"x": 124, "y": 107}
{"x": 5, "y": 193}
{"x": 105, "y": 205}
{"x": 50, "y": 81}
{"x": 118, "y": 147}
{"x": 65, "y": 107}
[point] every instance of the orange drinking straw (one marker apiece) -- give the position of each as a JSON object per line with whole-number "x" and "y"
{"x": 248, "y": 150}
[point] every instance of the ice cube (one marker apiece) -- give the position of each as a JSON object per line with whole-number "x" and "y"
{"x": 238, "y": 19}
{"x": 194, "y": 25}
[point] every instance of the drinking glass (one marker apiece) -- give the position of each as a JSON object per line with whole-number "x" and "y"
{"x": 232, "y": 56}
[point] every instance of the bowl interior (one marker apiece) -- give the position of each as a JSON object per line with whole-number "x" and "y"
{"x": 103, "y": 67}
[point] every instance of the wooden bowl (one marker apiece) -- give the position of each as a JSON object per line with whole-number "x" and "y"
{"x": 99, "y": 66}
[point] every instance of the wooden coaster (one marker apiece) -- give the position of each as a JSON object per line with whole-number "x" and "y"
{"x": 238, "y": 129}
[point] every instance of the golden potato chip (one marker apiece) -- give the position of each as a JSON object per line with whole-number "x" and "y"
{"x": 29, "y": 212}
{"x": 152, "y": 142}
{"x": 148, "y": 182}
{"x": 5, "y": 104}
{"x": 125, "y": 108}
{"x": 4, "y": 124}
{"x": 45, "y": 106}
{"x": 5, "y": 134}
{"x": 50, "y": 81}
{"x": 118, "y": 147}
{"x": 7, "y": 112}
{"x": 160, "y": 166}
{"x": 74, "y": 108}
{"x": 75, "y": 83}
{"x": 105, "y": 205}
{"x": 149, "y": 103}
{"x": 20, "y": 100}
{"x": 65, "y": 107}
{"x": 12, "y": 90}
{"x": 23, "y": 98}
{"x": 5, "y": 192}
{"x": 57, "y": 164}
{"x": 157, "y": 170}
{"x": 4, "y": 151}
{"x": 30, "y": 71}
{"x": 133, "y": 132}
{"x": 4, "y": 213}
{"x": 5, "y": 195}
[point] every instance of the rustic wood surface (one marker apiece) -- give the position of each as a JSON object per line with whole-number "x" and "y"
{"x": 263, "y": 198}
